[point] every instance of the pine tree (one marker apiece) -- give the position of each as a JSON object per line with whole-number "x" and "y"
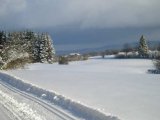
{"x": 43, "y": 48}
{"x": 37, "y": 47}
{"x": 14, "y": 48}
{"x": 44, "y": 51}
{"x": 7, "y": 46}
{"x": 50, "y": 49}
{"x": 2, "y": 38}
{"x": 127, "y": 48}
{"x": 29, "y": 40}
{"x": 143, "y": 47}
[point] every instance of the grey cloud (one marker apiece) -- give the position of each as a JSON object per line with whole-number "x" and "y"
{"x": 8, "y": 7}
{"x": 82, "y": 13}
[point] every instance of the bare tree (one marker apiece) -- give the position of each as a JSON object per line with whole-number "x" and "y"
{"x": 127, "y": 48}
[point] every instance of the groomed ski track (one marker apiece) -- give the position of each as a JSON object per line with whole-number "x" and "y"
{"x": 51, "y": 100}
{"x": 4, "y": 113}
{"x": 51, "y": 108}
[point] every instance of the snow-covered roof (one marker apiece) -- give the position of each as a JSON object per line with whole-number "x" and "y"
{"x": 121, "y": 53}
{"x": 74, "y": 54}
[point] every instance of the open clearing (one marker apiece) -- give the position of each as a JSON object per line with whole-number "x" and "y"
{"x": 121, "y": 87}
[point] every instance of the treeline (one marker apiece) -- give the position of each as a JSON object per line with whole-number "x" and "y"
{"x": 141, "y": 50}
{"x": 26, "y": 46}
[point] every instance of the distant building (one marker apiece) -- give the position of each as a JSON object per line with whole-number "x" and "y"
{"x": 74, "y": 54}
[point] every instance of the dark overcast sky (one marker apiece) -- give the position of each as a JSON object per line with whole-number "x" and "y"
{"x": 84, "y": 23}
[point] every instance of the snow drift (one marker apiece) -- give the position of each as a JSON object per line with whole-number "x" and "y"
{"x": 73, "y": 107}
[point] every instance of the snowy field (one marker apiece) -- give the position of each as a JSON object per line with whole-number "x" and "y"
{"x": 121, "y": 87}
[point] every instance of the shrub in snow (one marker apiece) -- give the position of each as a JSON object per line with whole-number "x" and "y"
{"x": 76, "y": 57}
{"x": 15, "y": 58}
{"x": 63, "y": 60}
{"x": 157, "y": 64}
{"x": 85, "y": 57}
{"x": 16, "y": 63}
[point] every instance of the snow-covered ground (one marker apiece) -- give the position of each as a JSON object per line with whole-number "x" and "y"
{"x": 15, "y": 105}
{"x": 121, "y": 87}
{"x": 4, "y": 114}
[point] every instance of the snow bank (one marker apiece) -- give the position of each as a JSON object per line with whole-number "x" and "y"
{"x": 73, "y": 107}
{"x": 19, "y": 110}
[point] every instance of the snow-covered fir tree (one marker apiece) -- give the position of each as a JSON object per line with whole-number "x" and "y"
{"x": 29, "y": 39}
{"x": 143, "y": 47}
{"x": 14, "y": 47}
{"x": 37, "y": 47}
{"x": 50, "y": 49}
{"x": 43, "y": 50}
{"x": 3, "y": 38}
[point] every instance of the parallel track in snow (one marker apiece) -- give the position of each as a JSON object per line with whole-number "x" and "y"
{"x": 6, "y": 114}
{"x": 62, "y": 115}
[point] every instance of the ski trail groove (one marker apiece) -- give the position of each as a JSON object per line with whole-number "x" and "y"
{"x": 69, "y": 108}
{"x": 50, "y": 108}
